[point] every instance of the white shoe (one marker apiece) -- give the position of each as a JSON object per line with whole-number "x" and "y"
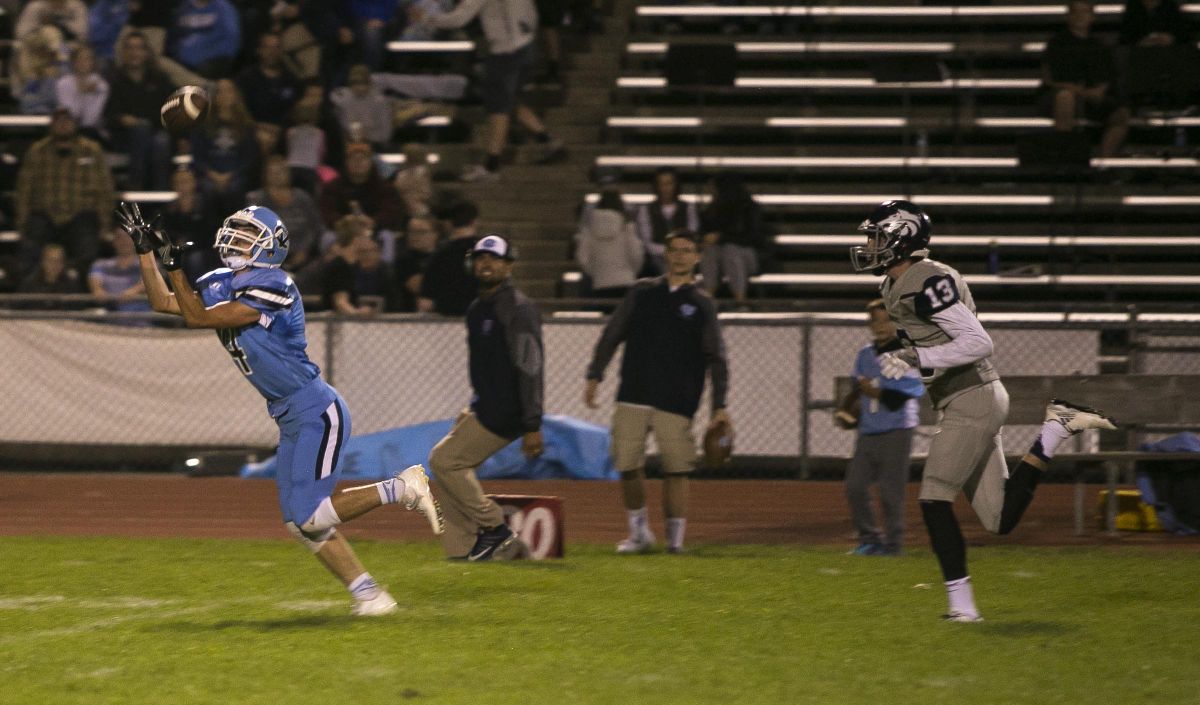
{"x": 478, "y": 173}
{"x": 418, "y": 496}
{"x": 377, "y": 606}
{"x": 637, "y": 544}
{"x": 962, "y": 617}
{"x": 1076, "y": 417}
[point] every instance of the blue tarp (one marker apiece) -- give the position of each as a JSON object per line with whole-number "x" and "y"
{"x": 574, "y": 450}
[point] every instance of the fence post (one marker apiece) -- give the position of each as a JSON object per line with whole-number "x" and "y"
{"x": 330, "y": 337}
{"x": 805, "y": 386}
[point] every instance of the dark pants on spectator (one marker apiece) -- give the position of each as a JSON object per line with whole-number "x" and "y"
{"x": 79, "y": 236}
{"x": 879, "y": 458}
{"x": 149, "y": 151}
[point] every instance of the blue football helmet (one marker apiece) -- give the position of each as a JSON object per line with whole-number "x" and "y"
{"x": 896, "y": 231}
{"x": 252, "y": 237}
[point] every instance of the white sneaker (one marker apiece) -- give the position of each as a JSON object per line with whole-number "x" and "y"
{"x": 962, "y": 617}
{"x": 478, "y": 173}
{"x": 1076, "y": 417}
{"x": 637, "y": 544}
{"x": 377, "y": 606}
{"x": 418, "y": 496}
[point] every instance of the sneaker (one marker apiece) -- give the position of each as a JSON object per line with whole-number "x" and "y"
{"x": 963, "y": 617}
{"x": 552, "y": 153}
{"x": 417, "y": 496}
{"x": 865, "y": 549}
{"x": 377, "y": 606}
{"x": 477, "y": 173}
{"x": 637, "y": 544}
{"x": 675, "y": 550}
{"x": 1076, "y": 417}
{"x": 498, "y": 538}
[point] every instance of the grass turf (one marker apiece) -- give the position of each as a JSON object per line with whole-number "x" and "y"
{"x": 187, "y": 621}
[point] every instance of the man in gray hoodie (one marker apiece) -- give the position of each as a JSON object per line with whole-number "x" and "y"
{"x": 510, "y": 27}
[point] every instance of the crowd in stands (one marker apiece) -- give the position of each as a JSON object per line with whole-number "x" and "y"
{"x": 303, "y": 105}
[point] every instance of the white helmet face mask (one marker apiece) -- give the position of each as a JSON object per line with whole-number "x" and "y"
{"x": 240, "y": 239}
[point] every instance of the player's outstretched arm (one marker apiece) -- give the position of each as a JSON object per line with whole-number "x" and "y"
{"x": 228, "y": 314}
{"x": 161, "y": 298}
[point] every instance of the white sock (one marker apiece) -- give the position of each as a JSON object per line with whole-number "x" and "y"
{"x": 675, "y": 528}
{"x": 637, "y": 522}
{"x": 364, "y": 587}
{"x": 962, "y": 598}
{"x": 390, "y": 490}
{"x": 1052, "y": 434}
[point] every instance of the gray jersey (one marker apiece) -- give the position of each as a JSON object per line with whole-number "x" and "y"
{"x": 912, "y": 300}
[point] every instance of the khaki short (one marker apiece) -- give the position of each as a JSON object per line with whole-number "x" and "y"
{"x": 631, "y": 425}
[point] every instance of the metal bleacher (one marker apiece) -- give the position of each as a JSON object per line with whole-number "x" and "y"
{"x": 819, "y": 140}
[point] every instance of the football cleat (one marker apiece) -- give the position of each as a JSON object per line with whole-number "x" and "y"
{"x": 1076, "y": 417}
{"x": 377, "y": 606}
{"x": 636, "y": 544}
{"x": 865, "y": 549}
{"x": 962, "y": 617}
{"x": 418, "y": 496}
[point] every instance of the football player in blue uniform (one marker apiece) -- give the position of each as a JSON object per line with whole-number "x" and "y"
{"x": 256, "y": 310}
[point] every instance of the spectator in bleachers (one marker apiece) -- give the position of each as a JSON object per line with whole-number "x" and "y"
{"x": 607, "y": 247}
{"x": 84, "y": 93}
{"x": 1079, "y": 77}
{"x": 137, "y": 90}
{"x": 294, "y": 206}
{"x": 446, "y": 285}
{"x": 338, "y": 278}
{"x": 268, "y": 87}
{"x": 1151, "y": 23}
{"x": 362, "y": 191}
{"x": 510, "y": 27}
{"x": 64, "y": 194}
{"x": 364, "y": 112}
{"x": 153, "y": 19}
{"x": 319, "y": 37}
{"x": 420, "y": 242}
{"x": 733, "y": 237}
{"x": 69, "y": 16}
{"x": 666, "y": 213}
{"x": 414, "y": 182}
{"x": 415, "y": 11}
{"x": 305, "y": 147}
{"x": 374, "y": 280}
{"x": 192, "y": 218}
{"x": 225, "y": 149}
{"x": 106, "y": 19}
{"x": 52, "y": 276}
{"x": 371, "y": 19}
{"x": 36, "y": 70}
{"x": 205, "y": 36}
{"x": 117, "y": 281}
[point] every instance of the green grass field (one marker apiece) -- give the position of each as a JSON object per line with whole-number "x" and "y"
{"x": 185, "y": 621}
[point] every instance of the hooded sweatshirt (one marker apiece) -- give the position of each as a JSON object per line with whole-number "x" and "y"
{"x": 608, "y": 249}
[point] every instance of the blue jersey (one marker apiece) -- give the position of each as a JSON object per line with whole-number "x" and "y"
{"x": 272, "y": 351}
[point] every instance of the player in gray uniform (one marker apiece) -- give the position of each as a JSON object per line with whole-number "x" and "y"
{"x": 934, "y": 313}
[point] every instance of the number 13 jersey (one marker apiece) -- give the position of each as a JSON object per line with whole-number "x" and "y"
{"x": 913, "y": 299}
{"x": 272, "y": 352}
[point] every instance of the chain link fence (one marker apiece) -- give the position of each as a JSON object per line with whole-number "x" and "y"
{"x": 74, "y": 379}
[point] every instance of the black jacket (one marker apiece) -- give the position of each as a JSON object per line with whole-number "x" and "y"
{"x": 671, "y": 338}
{"x": 504, "y": 336}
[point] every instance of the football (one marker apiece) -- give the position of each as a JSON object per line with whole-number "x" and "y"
{"x": 718, "y": 445}
{"x": 183, "y": 109}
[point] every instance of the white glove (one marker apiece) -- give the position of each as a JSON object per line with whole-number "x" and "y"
{"x": 895, "y": 365}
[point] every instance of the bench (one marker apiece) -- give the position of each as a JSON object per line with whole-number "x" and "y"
{"x": 1139, "y": 403}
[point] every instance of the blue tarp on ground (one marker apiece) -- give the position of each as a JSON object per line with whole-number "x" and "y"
{"x": 575, "y": 450}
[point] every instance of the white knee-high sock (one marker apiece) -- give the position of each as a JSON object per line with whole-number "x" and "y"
{"x": 961, "y": 597}
{"x": 638, "y": 522}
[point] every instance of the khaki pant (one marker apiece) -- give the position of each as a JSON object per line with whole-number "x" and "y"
{"x": 966, "y": 453}
{"x": 631, "y": 425}
{"x": 453, "y": 462}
